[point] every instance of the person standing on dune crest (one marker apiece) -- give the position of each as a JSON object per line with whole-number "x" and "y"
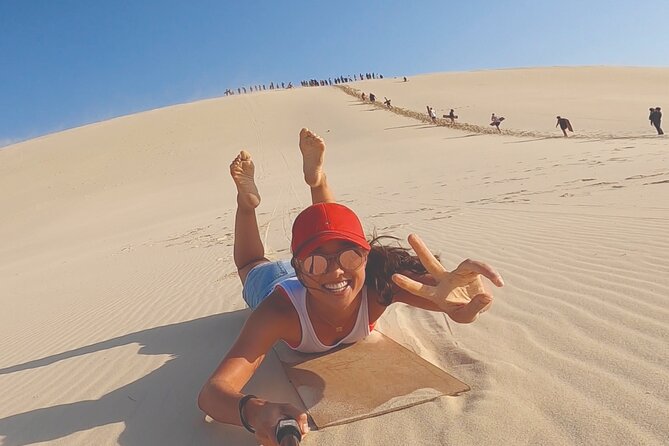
{"x": 496, "y": 121}
{"x": 564, "y": 125}
{"x": 656, "y": 119}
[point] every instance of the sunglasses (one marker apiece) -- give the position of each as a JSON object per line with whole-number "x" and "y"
{"x": 348, "y": 260}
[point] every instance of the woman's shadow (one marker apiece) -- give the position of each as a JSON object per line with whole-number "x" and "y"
{"x": 161, "y": 407}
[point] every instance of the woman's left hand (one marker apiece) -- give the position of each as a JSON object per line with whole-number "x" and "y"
{"x": 459, "y": 293}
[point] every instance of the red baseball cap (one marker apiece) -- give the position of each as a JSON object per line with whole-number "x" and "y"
{"x": 322, "y": 222}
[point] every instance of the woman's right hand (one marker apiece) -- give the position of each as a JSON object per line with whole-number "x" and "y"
{"x": 459, "y": 293}
{"x": 264, "y": 416}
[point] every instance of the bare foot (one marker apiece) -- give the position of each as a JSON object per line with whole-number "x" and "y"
{"x": 312, "y": 147}
{"x": 242, "y": 170}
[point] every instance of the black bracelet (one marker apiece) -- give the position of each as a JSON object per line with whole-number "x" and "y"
{"x": 242, "y": 403}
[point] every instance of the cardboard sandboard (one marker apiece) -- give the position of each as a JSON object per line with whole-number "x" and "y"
{"x": 369, "y": 378}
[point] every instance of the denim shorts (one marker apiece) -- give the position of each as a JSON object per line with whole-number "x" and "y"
{"x": 262, "y": 279}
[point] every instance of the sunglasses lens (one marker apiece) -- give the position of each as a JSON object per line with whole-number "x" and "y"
{"x": 315, "y": 264}
{"x": 350, "y": 259}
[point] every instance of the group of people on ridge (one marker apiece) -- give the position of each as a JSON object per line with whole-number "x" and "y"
{"x": 304, "y": 83}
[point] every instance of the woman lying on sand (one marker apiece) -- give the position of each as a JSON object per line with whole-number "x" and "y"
{"x": 331, "y": 292}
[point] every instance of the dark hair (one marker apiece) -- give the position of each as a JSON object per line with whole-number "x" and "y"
{"x": 383, "y": 261}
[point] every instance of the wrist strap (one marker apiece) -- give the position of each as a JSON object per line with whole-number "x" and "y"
{"x": 242, "y": 402}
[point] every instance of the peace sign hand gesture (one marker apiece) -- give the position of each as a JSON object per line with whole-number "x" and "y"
{"x": 459, "y": 293}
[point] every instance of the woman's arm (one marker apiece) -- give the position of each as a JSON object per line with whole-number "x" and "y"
{"x": 220, "y": 395}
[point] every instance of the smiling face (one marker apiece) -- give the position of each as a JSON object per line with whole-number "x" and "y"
{"x": 336, "y": 285}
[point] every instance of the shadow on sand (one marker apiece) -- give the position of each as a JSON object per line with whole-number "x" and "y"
{"x": 465, "y": 136}
{"x": 629, "y": 137}
{"x": 533, "y": 140}
{"x": 159, "y": 408}
{"x": 403, "y": 126}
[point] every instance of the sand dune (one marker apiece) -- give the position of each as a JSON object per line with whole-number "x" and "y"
{"x": 119, "y": 295}
{"x": 600, "y": 101}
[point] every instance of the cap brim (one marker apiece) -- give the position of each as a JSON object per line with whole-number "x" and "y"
{"x": 324, "y": 237}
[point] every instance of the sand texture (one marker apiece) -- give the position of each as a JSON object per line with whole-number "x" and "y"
{"x": 119, "y": 296}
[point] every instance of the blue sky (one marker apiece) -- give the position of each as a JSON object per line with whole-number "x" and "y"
{"x": 66, "y": 63}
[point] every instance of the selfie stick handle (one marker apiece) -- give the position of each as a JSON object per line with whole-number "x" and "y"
{"x": 288, "y": 433}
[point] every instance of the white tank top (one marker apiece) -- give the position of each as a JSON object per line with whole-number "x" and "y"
{"x": 310, "y": 342}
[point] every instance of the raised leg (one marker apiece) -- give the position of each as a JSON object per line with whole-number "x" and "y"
{"x": 248, "y": 249}
{"x": 312, "y": 147}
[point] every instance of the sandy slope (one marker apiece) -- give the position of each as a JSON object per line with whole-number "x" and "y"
{"x": 119, "y": 295}
{"x": 599, "y": 101}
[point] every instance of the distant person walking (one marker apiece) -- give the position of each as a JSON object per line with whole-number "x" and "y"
{"x": 656, "y": 119}
{"x": 387, "y": 102}
{"x": 564, "y": 125}
{"x": 364, "y": 96}
{"x": 452, "y": 116}
{"x": 372, "y": 97}
{"x": 433, "y": 114}
{"x": 496, "y": 121}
